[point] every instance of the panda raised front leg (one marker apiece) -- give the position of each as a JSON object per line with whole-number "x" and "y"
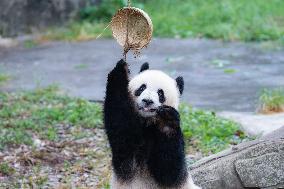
{"x": 167, "y": 160}
{"x": 120, "y": 119}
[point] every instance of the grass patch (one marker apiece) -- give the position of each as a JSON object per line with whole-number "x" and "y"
{"x": 244, "y": 20}
{"x": 30, "y": 44}
{"x": 81, "y": 66}
{"x": 230, "y": 71}
{"x": 271, "y": 101}
{"x": 258, "y": 20}
{"x": 77, "y": 31}
{"x": 41, "y": 113}
{"x": 208, "y": 133}
{"x": 5, "y": 169}
{"x": 4, "y": 78}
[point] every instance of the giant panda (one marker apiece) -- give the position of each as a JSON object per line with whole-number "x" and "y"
{"x": 143, "y": 128}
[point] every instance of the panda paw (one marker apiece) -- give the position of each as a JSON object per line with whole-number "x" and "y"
{"x": 168, "y": 113}
{"x": 169, "y": 119}
{"x": 119, "y": 73}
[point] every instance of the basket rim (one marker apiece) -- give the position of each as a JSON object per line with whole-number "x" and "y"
{"x": 144, "y": 15}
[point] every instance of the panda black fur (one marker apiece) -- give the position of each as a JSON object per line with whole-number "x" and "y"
{"x": 144, "y": 134}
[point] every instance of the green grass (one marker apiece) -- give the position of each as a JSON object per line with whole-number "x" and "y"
{"x": 78, "y": 31}
{"x": 81, "y": 66}
{"x": 41, "y": 113}
{"x": 30, "y": 44}
{"x": 244, "y": 20}
{"x": 271, "y": 101}
{"x": 207, "y": 132}
{"x": 230, "y": 71}
{"x": 5, "y": 169}
{"x": 4, "y": 78}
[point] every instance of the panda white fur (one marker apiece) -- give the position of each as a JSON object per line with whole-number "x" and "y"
{"x": 143, "y": 127}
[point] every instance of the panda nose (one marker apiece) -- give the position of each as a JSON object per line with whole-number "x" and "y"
{"x": 147, "y": 102}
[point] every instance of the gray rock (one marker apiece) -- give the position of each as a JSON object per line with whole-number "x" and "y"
{"x": 262, "y": 171}
{"x": 18, "y": 16}
{"x": 255, "y": 164}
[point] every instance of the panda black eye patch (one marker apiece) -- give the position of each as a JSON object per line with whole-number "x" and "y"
{"x": 140, "y": 90}
{"x": 161, "y": 94}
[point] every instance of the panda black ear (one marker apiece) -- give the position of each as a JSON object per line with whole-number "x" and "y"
{"x": 144, "y": 67}
{"x": 180, "y": 84}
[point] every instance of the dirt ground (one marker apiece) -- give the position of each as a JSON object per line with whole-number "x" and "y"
{"x": 67, "y": 164}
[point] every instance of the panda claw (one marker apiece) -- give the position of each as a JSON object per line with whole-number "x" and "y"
{"x": 168, "y": 113}
{"x": 121, "y": 63}
{"x": 121, "y": 66}
{"x": 120, "y": 72}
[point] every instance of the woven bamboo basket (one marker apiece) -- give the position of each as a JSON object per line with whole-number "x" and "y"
{"x": 132, "y": 28}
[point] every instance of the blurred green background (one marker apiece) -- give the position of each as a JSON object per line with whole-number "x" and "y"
{"x": 229, "y": 20}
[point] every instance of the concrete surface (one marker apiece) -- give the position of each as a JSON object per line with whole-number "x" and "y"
{"x": 220, "y": 76}
{"x": 256, "y": 124}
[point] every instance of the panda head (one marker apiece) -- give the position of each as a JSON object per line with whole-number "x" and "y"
{"x": 153, "y": 88}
